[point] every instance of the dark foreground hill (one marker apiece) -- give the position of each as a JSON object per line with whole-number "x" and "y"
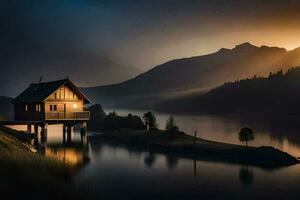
{"x": 277, "y": 93}
{"x": 195, "y": 73}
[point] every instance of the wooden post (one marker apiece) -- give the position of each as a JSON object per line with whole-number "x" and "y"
{"x": 44, "y": 130}
{"x": 29, "y": 128}
{"x": 195, "y": 169}
{"x": 64, "y": 133}
{"x": 44, "y": 133}
{"x": 195, "y": 137}
{"x": 69, "y": 133}
{"x": 83, "y": 128}
{"x": 36, "y": 129}
{"x": 83, "y": 133}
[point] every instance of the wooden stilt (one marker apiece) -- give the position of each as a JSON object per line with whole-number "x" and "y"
{"x": 36, "y": 129}
{"x": 44, "y": 133}
{"x": 29, "y": 128}
{"x": 83, "y": 128}
{"x": 69, "y": 133}
{"x": 64, "y": 133}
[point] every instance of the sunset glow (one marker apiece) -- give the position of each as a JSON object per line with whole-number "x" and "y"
{"x": 149, "y": 99}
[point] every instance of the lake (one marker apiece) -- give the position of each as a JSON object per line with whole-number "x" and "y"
{"x": 282, "y": 132}
{"x": 108, "y": 171}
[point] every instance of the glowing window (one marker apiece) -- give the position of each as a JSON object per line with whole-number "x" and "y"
{"x": 53, "y": 107}
{"x": 38, "y": 108}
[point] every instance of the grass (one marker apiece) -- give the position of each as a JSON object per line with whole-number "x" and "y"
{"x": 27, "y": 175}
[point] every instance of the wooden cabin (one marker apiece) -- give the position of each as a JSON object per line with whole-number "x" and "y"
{"x": 51, "y": 102}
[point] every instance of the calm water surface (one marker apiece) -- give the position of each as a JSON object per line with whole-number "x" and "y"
{"x": 277, "y": 131}
{"x": 109, "y": 171}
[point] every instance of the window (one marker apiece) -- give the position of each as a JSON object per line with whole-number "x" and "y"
{"x": 38, "y": 108}
{"x": 53, "y": 107}
{"x": 26, "y": 107}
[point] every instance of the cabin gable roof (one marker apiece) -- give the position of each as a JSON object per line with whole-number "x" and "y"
{"x": 39, "y": 92}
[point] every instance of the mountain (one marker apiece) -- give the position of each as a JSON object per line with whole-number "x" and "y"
{"x": 277, "y": 93}
{"x": 84, "y": 68}
{"x": 6, "y": 108}
{"x": 196, "y": 73}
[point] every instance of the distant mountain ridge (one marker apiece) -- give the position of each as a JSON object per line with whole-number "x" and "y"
{"x": 84, "y": 68}
{"x": 200, "y": 72}
{"x": 277, "y": 93}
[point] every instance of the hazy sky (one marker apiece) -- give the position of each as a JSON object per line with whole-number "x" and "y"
{"x": 142, "y": 33}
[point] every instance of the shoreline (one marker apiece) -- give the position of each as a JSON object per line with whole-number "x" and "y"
{"x": 182, "y": 145}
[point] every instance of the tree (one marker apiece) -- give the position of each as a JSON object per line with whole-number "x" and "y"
{"x": 246, "y": 134}
{"x": 113, "y": 114}
{"x": 171, "y": 125}
{"x": 150, "y": 121}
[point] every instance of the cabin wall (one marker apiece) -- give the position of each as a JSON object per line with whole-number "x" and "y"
{"x": 64, "y": 93}
{"x": 65, "y": 100}
{"x": 28, "y": 111}
{"x": 64, "y": 106}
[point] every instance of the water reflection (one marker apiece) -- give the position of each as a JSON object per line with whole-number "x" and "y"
{"x": 140, "y": 173}
{"x": 246, "y": 175}
{"x": 171, "y": 161}
{"x": 149, "y": 159}
{"x": 71, "y": 148}
{"x": 195, "y": 168}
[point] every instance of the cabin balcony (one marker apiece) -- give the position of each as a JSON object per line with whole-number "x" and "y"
{"x": 83, "y": 115}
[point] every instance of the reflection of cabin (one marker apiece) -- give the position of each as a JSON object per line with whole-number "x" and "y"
{"x": 75, "y": 154}
{"x": 51, "y": 102}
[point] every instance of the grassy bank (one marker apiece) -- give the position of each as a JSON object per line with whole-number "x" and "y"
{"x": 182, "y": 145}
{"x": 26, "y": 175}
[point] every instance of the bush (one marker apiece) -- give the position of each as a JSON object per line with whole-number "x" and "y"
{"x": 115, "y": 122}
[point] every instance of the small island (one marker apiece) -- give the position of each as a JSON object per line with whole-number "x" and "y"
{"x": 136, "y": 134}
{"x": 182, "y": 145}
